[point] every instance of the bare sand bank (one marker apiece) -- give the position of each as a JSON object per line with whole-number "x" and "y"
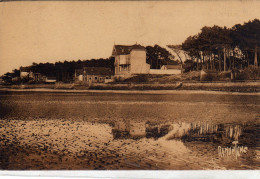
{"x": 129, "y": 91}
{"x": 241, "y": 87}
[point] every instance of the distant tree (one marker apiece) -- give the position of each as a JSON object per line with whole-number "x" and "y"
{"x": 157, "y": 56}
{"x": 16, "y": 73}
{"x": 247, "y": 38}
{"x": 177, "y": 49}
{"x": 210, "y": 43}
{"x": 192, "y": 47}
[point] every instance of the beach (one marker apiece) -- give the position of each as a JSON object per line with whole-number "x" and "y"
{"x": 57, "y": 129}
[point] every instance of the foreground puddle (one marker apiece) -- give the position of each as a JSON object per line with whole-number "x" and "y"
{"x": 127, "y": 144}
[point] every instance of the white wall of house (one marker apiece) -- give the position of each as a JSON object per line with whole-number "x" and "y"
{"x": 50, "y": 80}
{"x": 124, "y": 59}
{"x": 24, "y": 74}
{"x": 138, "y": 62}
{"x": 97, "y": 78}
{"x": 80, "y": 78}
{"x": 163, "y": 67}
{"x": 164, "y": 72}
{"x": 122, "y": 65}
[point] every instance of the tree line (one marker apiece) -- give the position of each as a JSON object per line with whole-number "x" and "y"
{"x": 222, "y": 48}
{"x": 65, "y": 71}
{"x": 215, "y": 48}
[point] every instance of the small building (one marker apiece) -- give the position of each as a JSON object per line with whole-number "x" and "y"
{"x": 173, "y": 69}
{"x": 167, "y": 70}
{"x": 93, "y": 75}
{"x": 15, "y": 79}
{"x": 79, "y": 75}
{"x": 130, "y": 60}
{"x": 25, "y": 72}
{"x": 50, "y": 79}
{"x": 38, "y": 77}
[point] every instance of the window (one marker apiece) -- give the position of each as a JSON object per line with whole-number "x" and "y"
{"x": 96, "y": 77}
{"x": 100, "y": 78}
{"x": 107, "y": 77}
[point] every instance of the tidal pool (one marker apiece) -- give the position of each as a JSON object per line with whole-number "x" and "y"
{"x": 41, "y": 130}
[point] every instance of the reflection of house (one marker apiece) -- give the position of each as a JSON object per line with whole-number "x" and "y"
{"x": 125, "y": 129}
{"x": 156, "y": 130}
{"x": 130, "y": 60}
{"x": 206, "y": 139}
{"x": 128, "y": 129}
{"x": 218, "y": 133}
{"x": 137, "y": 129}
{"x": 94, "y": 74}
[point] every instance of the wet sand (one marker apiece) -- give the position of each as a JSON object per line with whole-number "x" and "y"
{"x": 129, "y": 91}
{"x": 75, "y": 131}
{"x": 57, "y": 144}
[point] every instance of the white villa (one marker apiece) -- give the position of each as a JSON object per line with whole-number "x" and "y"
{"x": 130, "y": 60}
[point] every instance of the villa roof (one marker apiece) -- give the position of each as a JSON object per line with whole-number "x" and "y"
{"x": 97, "y": 71}
{"x": 25, "y": 69}
{"x": 79, "y": 71}
{"x": 125, "y": 50}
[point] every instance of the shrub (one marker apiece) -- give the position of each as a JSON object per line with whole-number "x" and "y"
{"x": 138, "y": 78}
{"x": 224, "y": 75}
{"x": 250, "y": 73}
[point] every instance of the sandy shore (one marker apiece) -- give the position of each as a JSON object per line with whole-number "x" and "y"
{"x": 130, "y": 91}
{"x": 64, "y": 144}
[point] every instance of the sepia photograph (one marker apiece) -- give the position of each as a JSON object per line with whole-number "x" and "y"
{"x": 129, "y": 85}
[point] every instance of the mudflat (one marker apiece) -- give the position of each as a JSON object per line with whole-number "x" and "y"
{"x": 104, "y": 130}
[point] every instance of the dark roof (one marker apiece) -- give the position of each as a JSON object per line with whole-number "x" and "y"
{"x": 25, "y": 69}
{"x": 79, "y": 71}
{"x": 97, "y": 71}
{"x": 173, "y": 66}
{"x": 51, "y": 77}
{"x": 125, "y": 50}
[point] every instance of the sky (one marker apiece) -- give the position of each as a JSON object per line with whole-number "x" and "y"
{"x": 65, "y": 30}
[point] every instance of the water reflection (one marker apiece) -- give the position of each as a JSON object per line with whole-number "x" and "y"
{"x": 217, "y": 133}
{"x": 128, "y": 129}
{"x": 201, "y": 136}
{"x": 194, "y": 131}
{"x": 125, "y": 129}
